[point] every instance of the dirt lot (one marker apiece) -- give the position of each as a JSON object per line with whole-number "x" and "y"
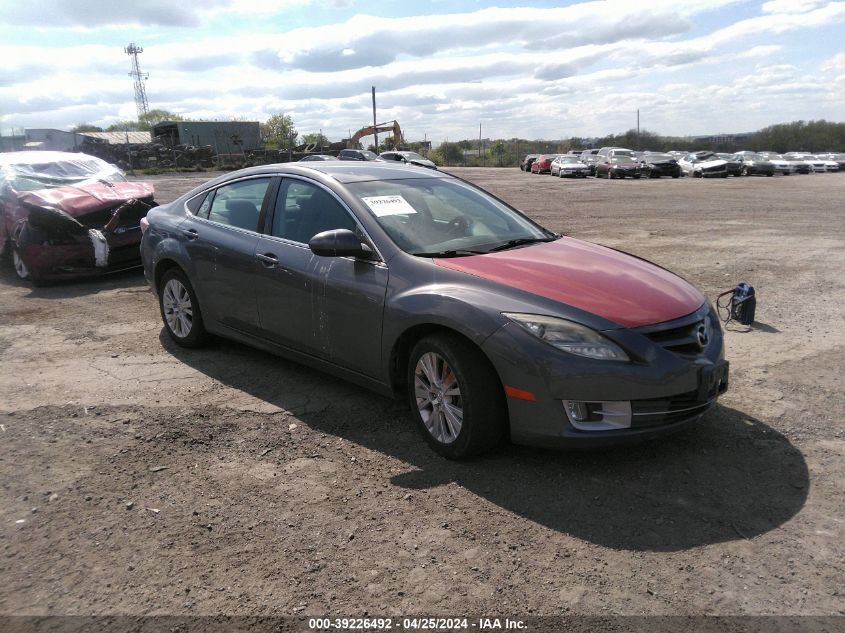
{"x": 139, "y": 478}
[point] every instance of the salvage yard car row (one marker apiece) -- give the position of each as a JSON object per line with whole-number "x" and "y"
{"x": 620, "y": 162}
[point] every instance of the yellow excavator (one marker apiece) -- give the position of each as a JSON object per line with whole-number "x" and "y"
{"x": 389, "y": 126}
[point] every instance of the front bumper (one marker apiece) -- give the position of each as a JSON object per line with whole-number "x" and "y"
{"x": 576, "y": 173}
{"x": 664, "y": 391}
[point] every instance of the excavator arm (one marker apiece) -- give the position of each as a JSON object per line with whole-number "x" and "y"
{"x": 373, "y": 129}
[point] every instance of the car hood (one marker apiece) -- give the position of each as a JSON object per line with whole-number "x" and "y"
{"x": 614, "y": 285}
{"x": 423, "y": 162}
{"x": 90, "y": 197}
{"x": 709, "y": 164}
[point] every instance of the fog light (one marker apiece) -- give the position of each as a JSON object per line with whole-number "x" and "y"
{"x": 598, "y": 416}
{"x": 578, "y": 411}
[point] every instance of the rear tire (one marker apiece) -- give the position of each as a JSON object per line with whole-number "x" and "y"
{"x": 455, "y": 396}
{"x": 180, "y": 310}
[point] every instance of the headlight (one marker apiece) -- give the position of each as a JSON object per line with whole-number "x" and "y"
{"x": 569, "y": 336}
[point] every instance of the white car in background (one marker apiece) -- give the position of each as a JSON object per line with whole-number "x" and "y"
{"x": 816, "y": 164}
{"x": 839, "y": 159}
{"x": 829, "y": 163}
{"x": 569, "y": 165}
{"x": 782, "y": 165}
{"x": 703, "y": 165}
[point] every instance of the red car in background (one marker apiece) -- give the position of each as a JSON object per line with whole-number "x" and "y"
{"x": 543, "y": 165}
{"x": 65, "y": 215}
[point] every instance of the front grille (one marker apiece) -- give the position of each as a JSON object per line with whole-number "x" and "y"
{"x": 680, "y": 337}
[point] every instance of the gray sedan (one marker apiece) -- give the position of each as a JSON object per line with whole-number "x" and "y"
{"x": 418, "y": 284}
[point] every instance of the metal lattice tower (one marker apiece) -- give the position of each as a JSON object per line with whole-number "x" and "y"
{"x": 139, "y": 77}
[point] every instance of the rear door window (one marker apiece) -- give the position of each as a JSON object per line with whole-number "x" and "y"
{"x": 239, "y": 204}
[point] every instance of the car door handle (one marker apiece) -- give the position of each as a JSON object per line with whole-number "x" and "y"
{"x": 268, "y": 259}
{"x": 191, "y": 234}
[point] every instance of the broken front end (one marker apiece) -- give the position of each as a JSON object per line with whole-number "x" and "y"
{"x": 80, "y": 230}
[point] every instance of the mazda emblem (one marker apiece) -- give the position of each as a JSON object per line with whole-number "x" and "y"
{"x": 703, "y": 337}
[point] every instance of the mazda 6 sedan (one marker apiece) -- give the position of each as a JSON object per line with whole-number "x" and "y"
{"x": 420, "y": 285}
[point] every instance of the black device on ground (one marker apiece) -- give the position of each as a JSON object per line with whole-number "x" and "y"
{"x": 739, "y": 305}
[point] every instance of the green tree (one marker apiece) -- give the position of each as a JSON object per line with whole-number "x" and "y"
{"x": 278, "y": 131}
{"x": 86, "y": 127}
{"x": 317, "y": 138}
{"x": 499, "y": 152}
{"x": 120, "y": 126}
{"x": 148, "y": 120}
{"x": 451, "y": 153}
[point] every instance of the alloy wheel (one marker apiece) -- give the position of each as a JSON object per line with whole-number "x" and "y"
{"x": 178, "y": 310}
{"x": 438, "y": 397}
{"x": 20, "y": 268}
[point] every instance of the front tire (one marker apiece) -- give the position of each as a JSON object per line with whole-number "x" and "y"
{"x": 180, "y": 310}
{"x": 20, "y": 267}
{"x": 456, "y": 397}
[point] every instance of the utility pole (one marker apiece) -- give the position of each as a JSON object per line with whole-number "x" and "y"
{"x": 375, "y": 129}
{"x": 638, "y": 130}
{"x": 479, "y": 143}
{"x": 140, "y": 92}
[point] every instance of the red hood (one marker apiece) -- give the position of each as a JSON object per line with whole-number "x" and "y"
{"x": 90, "y": 197}
{"x": 594, "y": 278}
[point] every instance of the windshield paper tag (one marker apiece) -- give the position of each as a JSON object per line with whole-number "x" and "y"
{"x": 388, "y": 205}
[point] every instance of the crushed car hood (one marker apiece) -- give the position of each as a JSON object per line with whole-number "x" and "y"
{"x": 84, "y": 198}
{"x": 619, "y": 287}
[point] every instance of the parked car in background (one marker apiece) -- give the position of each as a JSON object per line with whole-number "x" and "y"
{"x": 608, "y": 152}
{"x": 525, "y": 163}
{"x": 816, "y": 165}
{"x": 838, "y": 158}
{"x": 569, "y": 165}
{"x": 419, "y": 285}
{"x": 316, "y": 157}
{"x": 590, "y": 157}
{"x": 619, "y": 167}
{"x": 543, "y": 164}
{"x": 755, "y": 165}
{"x": 69, "y": 215}
{"x": 657, "y": 164}
{"x": 732, "y": 163}
{"x": 829, "y": 164}
{"x": 781, "y": 165}
{"x": 358, "y": 154}
{"x": 409, "y": 158}
{"x": 704, "y": 164}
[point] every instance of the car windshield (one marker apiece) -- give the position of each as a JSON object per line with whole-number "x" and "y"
{"x": 658, "y": 157}
{"x": 369, "y": 155}
{"x": 413, "y": 156}
{"x": 569, "y": 159}
{"x": 622, "y": 160}
{"x": 432, "y": 217}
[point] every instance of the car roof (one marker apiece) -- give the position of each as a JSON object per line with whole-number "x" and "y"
{"x": 341, "y": 171}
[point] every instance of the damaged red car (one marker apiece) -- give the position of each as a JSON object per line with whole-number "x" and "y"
{"x": 66, "y": 215}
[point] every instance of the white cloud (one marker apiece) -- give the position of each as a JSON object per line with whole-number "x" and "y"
{"x": 579, "y": 70}
{"x": 90, "y": 14}
{"x": 792, "y": 6}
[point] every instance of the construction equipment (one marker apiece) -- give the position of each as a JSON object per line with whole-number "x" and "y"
{"x": 373, "y": 129}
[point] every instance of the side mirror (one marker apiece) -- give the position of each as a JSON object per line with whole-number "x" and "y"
{"x": 339, "y": 243}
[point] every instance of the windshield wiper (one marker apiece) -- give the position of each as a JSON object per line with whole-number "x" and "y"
{"x": 450, "y": 253}
{"x": 522, "y": 241}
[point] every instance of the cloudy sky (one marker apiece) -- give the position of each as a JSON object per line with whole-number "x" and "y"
{"x": 529, "y": 69}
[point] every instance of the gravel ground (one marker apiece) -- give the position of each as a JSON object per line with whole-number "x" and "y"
{"x": 139, "y": 478}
